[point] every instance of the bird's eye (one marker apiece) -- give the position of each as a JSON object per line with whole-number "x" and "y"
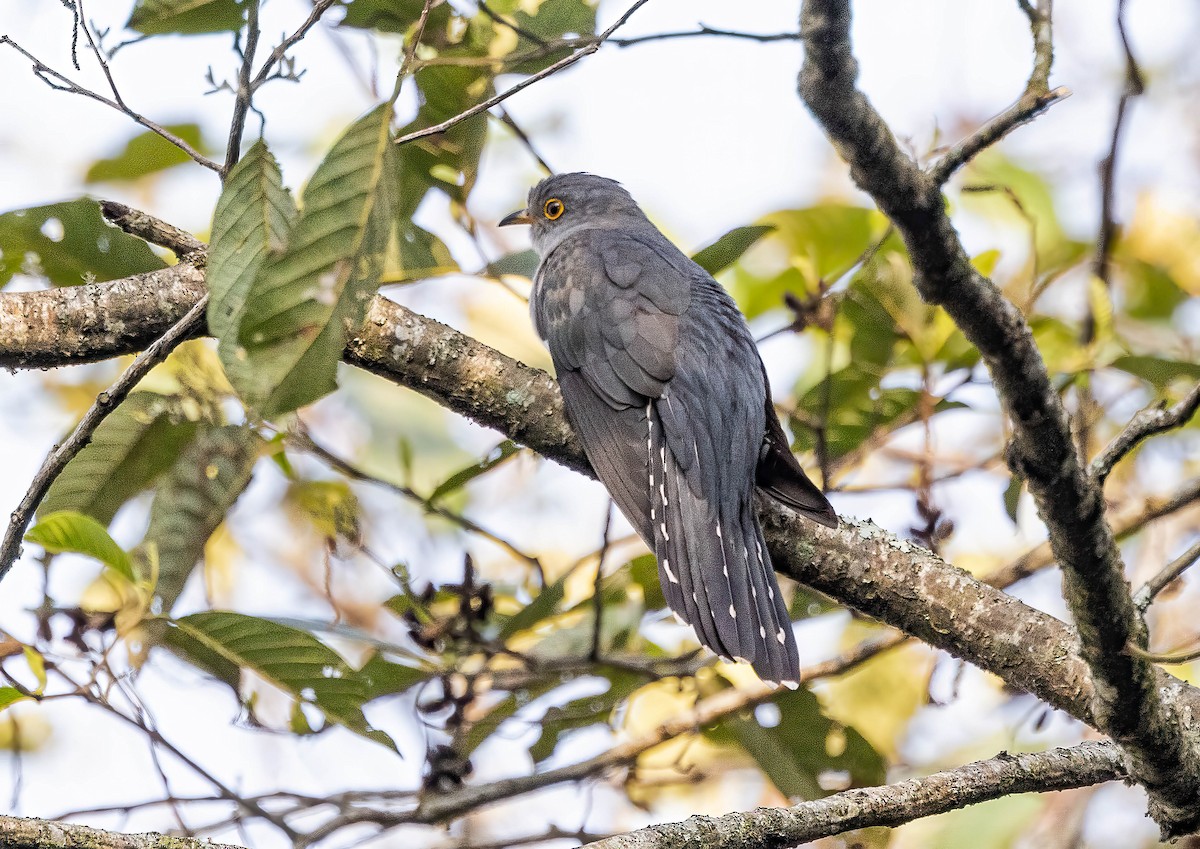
{"x": 553, "y": 208}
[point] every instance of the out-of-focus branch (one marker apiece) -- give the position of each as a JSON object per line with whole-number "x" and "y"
{"x": 440, "y": 808}
{"x": 1126, "y": 702}
{"x": 1169, "y": 573}
{"x": 1125, "y": 522}
{"x": 20, "y": 833}
{"x": 1150, "y": 421}
{"x": 889, "y": 805}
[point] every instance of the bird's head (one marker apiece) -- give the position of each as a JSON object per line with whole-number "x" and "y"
{"x": 566, "y": 202}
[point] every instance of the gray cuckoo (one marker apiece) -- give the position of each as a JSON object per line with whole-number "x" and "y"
{"x": 664, "y": 385}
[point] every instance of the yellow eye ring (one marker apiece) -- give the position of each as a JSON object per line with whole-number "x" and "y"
{"x": 553, "y": 208}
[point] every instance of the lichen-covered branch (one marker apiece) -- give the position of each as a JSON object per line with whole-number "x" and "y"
{"x": 21, "y": 833}
{"x": 1126, "y": 701}
{"x": 889, "y": 805}
{"x": 859, "y": 564}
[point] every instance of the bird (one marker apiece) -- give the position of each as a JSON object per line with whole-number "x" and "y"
{"x": 663, "y": 383}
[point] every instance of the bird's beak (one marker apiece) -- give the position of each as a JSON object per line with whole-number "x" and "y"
{"x": 521, "y": 216}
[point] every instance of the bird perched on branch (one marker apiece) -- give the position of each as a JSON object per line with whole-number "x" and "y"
{"x": 664, "y": 385}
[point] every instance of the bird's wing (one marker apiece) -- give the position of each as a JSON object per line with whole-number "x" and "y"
{"x": 664, "y": 384}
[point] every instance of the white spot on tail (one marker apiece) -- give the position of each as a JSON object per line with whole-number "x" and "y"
{"x": 670, "y": 575}
{"x": 780, "y": 636}
{"x": 663, "y": 527}
{"x": 732, "y": 612}
{"x": 762, "y": 632}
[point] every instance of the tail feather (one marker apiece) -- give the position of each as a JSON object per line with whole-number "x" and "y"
{"x": 780, "y": 476}
{"x": 779, "y": 658}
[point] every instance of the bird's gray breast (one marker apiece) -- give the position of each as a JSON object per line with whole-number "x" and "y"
{"x": 609, "y": 304}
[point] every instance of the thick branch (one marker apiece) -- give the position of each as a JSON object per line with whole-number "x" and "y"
{"x": 889, "y": 805}
{"x": 860, "y": 565}
{"x": 20, "y": 833}
{"x": 1126, "y": 702}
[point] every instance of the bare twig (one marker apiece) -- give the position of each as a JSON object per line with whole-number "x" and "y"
{"x": 889, "y": 805}
{"x": 107, "y": 401}
{"x": 509, "y": 122}
{"x": 320, "y": 7}
{"x": 1163, "y": 579}
{"x": 60, "y": 82}
{"x": 597, "y": 595}
{"x": 187, "y": 247}
{"x": 586, "y": 50}
{"x": 1148, "y": 422}
{"x": 1125, "y": 523}
{"x": 244, "y": 96}
{"x": 1134, "y": 85}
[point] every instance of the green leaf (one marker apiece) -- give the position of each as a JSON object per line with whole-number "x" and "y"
{"x": 37, "y": 665}
{"x": 193, "y": 499}
{"x": 728, "y": 249}
{"x": 643, "y": 571}
{"x": 293, "y": 324}
{"x": 251, "y": 220}
{"x": 549, "y": 20}
{"x": 388, "y": 678}
{"x": 521, "y": 264}
{"x": 135, "y": 444}
{"x": 68, "y": 531}
{"x": 146, "y": 153}
{"x": 185, "y": 17}
{"x": 543, "y": 605}
{"x": 819, "y": 242}
{"x": 583, "y": 712}
{"x": 10, "y": 696}
{"x": 1012, "y": 496}
{"x": 481, "y": 729}
{"x": 331, "y": 506}
{"x": 69, "y": 244}
{"x": 1157, "y": 370}
{"x": 803, "y": 744}
{"x": 462, "y": 477}
{"x": 393, "y": 15}
{"x": 222, "y": 643}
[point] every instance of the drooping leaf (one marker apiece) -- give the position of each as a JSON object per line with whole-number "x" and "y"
{"x": 805, "y": 743}
{"x": 462, "y": 477}
{"x": 68, "y": 531}
{"x": 146, "y": 153}
{"x": 1159, "y": 371}
{"x": 393, "y": 15}
{"x": 10, "y": 696}
{"x": 728, "y": 249}
{"x": 384, "y": 677}
{"x": 69, "y": 243}
{"x": 129, "y": 450}
{"x": 252, "y": 218}
{"x": 193, "y": 498}
{"x": 223, "y": 643}
{"x": 186, "y": 17}
{"x": 293, "y": 323}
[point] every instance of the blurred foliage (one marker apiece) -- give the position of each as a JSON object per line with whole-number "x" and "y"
{"x": 490, "y": 633}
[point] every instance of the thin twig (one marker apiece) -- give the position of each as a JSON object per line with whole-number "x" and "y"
{"x": 597, "y": 594}
{"x": 1152, "y": 420}
{"x": 1134, "y": 86}
{"x": 59, "y": 82}
{"x": 508, "y": 121}
{"x": 106, "y": 402}
{"x": 1163, "y": 579}
{"x": 244, "y": 97}
{"x": 264, "y": 73}
{"x": 565, "y": 62}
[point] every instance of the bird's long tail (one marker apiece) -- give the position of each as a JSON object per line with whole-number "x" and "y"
{"x": 714, "y": 567}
